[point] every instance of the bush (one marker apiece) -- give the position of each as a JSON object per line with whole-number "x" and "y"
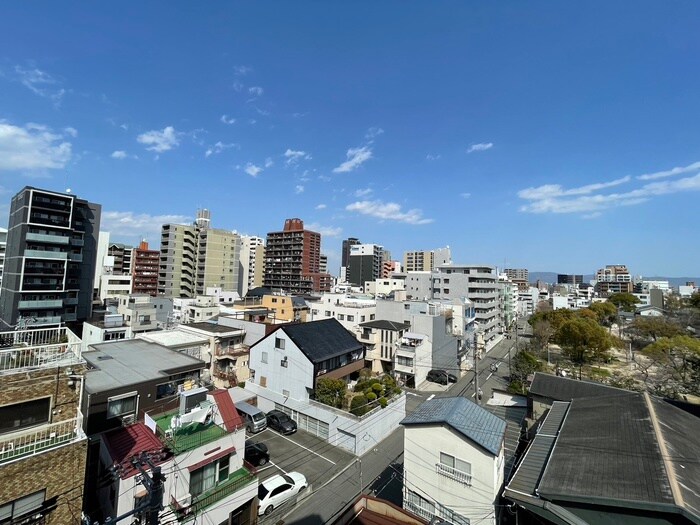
{"x": 389, "y": 382}
{"x": 358, "y": 405}
{"x": 383, "y": 402}
{"x": 361, "y": 386}
{"x": 371, "y": 396}
{"x": 378, "y": 388}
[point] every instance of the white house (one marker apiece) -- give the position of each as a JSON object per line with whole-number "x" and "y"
{"x": 349, "y": 309}
{"x": 453, "y": 461}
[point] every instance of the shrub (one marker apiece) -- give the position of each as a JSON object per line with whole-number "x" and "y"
{"x": 383, "y": 402}
{"x": 389, "y": 381}
{"x": 371, "y": 396}
{"x": 378, "y": 388}
{"x": 358, "y": 405}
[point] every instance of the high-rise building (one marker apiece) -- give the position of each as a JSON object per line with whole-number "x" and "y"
{"x": 293, "y": 260}
{"x": 3, "y": 247}
{"x": 145, "y": 264}
{"x": 252, "y": 263}
{"x": 365, "y": 263}
{"x": 323, "y": 266}
{"x": 563, "y": 278}
{"x": 50, "y": 258}
{"x": 614, "y": 278}
{"x": 122, "y": 254}
{"x": 426, "y": 260}
{"x": 195, "y": 257}
{"x": 345, "y": 252}
{"x": 518, "y": 276}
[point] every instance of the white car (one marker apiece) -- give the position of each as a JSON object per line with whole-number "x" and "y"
{"x": 276, "y": 490}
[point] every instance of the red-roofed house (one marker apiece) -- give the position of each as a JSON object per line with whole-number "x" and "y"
{"x": 199, "y": 446}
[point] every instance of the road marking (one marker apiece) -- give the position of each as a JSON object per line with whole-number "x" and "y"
{"x": 411, "y": 393}
{"x": 307, "y": 449}
{"x": 432, "y": 396}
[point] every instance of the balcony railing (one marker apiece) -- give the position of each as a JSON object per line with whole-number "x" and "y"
{"x": 44, "y": 254}
{"x": 235, "y": 482}
{"x": 41, "y": 237}
{"x": 45, "y": 303}
{"x": 35, "y": 441}
{"x": 453, "y": 473}
{"x": 38, "y": 348}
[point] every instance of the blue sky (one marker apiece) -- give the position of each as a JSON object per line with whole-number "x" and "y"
{"x": 547, "y": 135}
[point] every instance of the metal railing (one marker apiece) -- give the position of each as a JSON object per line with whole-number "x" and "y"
{"x": 453, "y": 473}
{"x": 42, "y": 439}
{"x": 39, "y": 348}
{"x": 236, "y": 481}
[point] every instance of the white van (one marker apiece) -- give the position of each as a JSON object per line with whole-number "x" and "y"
{"x": 254, "y": 418}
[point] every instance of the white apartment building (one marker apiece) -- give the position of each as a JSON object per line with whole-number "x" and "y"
{"x": 139, "y": 313}
{"x": 252, "y": 263}
{"x": 383, "y": 287}
{"x": 349, "y": 309}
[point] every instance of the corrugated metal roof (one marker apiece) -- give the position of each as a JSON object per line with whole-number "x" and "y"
{"x": 464, "y": 416}
{"x": 566, "y": 389}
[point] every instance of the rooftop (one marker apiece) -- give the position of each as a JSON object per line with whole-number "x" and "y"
{"x": 213, "y": 328}
{"x": 187, "y": 437}
{"x": 566, "y": 389}
{"x": 132, "y": 361}
{"x": 321, "y": 340}
{"x": 464, "y": 416}
{"x": 174, "y": 338}
{"x": 382, "y": 324}
{"x": 34, "y": 349}
{"x": 127, "y": 442}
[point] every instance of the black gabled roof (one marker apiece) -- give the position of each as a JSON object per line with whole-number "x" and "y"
{"x": 382, "y": 324}
{"x": 565, "y": 389}
{"x": 321, "y": 340}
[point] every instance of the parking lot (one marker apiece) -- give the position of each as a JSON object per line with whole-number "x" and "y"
{"x": 301, "y": 452}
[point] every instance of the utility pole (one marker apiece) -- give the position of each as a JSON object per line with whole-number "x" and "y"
{"x": 476, "y": 372}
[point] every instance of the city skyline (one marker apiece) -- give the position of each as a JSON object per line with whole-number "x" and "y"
{"x": 519, "y": 136}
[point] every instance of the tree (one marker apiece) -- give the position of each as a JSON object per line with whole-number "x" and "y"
{"x": 544, "y": 306}
{"x": 583, "y": 340}
{"x": 330, "y": 392}
{"x": 649, "y": 327}
{"x": 625, "y": 301}
{"x": 694, "y": 300}
{"x": 542, "y": 333}
{"x": 605, "y": 312}
{"x": 358, "y": 405}
{"x": 678, "y": 362}
{"x": 522, "y": 365}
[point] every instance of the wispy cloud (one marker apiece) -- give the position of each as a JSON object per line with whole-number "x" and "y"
{"x": 373, "y": 132}
{"x": 71, "y": 131}
{"x": 325, "y": 231}
{"x": 269, "y": 162}
{"x": 364, "y": 192}
{"x": 119, "y": 154}
{"x": 160, "y": 140}
{"x": 695, "y": 166}
{"x": 256, "y": 91}
{"x": 355, "y": 158}
{"x": 481, "y": 146}
{"x": 589, "y": 201}
{"x": 32, "y": 147}
{"x": 241, "y": 71}
{"x": 432, "y": 157}
{"x": 321, "y": 207}
{"x": 298, "y": 189}
{"x": 294, "y": 156}
{"x": 130, "y": 224}
{"x": 465, "y": 195}
{"x": 219, "y": 147}
{"x": 40, "y": 83}
{"x": 227, "y": 120}
{"x": 238, "y": 86}
{"x": 253, "y": 170}
{"x": 390, "y": 211}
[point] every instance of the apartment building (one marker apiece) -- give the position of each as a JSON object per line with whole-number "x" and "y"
{"x": 3, "y": 248}
{"x": 614, "y": 278}
{"x": 365, "y": 263}
{"x": 293, "y": 259}
{"x": 43, "y": 448}
{"x": 349, "y": 309}
{"x": 145, "y": 270}
{"x": 50, "y": 258}
{"x": 252, "y": 263}
{"x": 426, "y": 260}
{"x": 569, "y": 279}
{"x": 122, "y": 254}
{"x": 519, "y": 276}
{"x": 195, "y": 257}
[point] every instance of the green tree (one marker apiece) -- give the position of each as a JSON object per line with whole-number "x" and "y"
{"x": 605, "y": 312}
{"x": 583, "y": 340}
{"x": 651, "y": 327}
{"x": 542, "y": 333}
{"x": 678, "y": 363}
{"x": 694, "y": 300}
{"x": 330, "y": 392}
{"x": 522, "y": 365}
{"x": 358, "y": 405}
{"x": 625, "y": 301}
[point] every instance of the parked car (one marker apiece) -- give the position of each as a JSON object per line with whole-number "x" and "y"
{"x": 281, "y": 422}
{"x": 256, "y": 454}
{"x": 274, "y": 491}
{"x": 441, "y": 377}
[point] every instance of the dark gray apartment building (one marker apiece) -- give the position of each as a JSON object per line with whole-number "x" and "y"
{"x": 50, "y": 259}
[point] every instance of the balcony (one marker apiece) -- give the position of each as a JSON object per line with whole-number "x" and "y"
{"x": 343, "y": 371}
{"x": 453, "y": 473}
{"x": 48, "y": 303}
{"x": 38, "y": 348}
{"x": 188, "y": 437}
{"x": 35, "y": 441}
{"x": 54, "y": 239}
{"x": 404, "y": 369}
{"x": 76, "y": 257}
{"x": 44, "y": 254}
{"x": 235, "y": 482}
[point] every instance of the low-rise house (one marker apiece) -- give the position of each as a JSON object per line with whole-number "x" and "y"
{"x": 453, "y": 461}
{"x": 139, "y": 313}
{"x": 381, "y": 338}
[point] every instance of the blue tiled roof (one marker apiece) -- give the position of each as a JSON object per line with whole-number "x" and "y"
{"x": 465, "y": 417}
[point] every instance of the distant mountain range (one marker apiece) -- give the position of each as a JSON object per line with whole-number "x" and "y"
{"x": 551, "y": 278}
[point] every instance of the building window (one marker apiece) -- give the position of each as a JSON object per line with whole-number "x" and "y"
{"x": 341, "y": 317}
{"x": 351, "y": 317}
{"x": 446, "y": 290}
{"x": 26, "y": 414}
{"x": 122, "y": 405}
{"x": 446, "y": 281}
{"x": 13, "y": 511}
{"x": 371, "y": 317}
{"x": 207, "y": 477}
{"x": 279, "y": 343}
{"x": 263, "y": 358}
{"x": 362, "y": 318}
{"x": 285, "y": 393}
{"x": 274, "y": 299}
{"x": 455, "y": 468}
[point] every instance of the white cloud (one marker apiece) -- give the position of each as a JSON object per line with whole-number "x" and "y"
{"x": 294, "y": 156}
{"x": 482, "y": 146}
{"x": 465, "y": 195}
{"x": 321, "y": 207}
{"x": 253, "y": 170}
{"x": 553, "y": 198}
{"x": 373, "y": 132}
{"x": 298, "y": 189}
{"x": 219, "y": 147}
{"x": 363, "y": 192}
{"x": 242, "y": 70}
{"x": 256, "y": 91}
{"x": 432, "y": 157}
{"x": 32, "y": 147}
{"x": 325, "y": 231}
{"x": 137, "y": 225}
{"x": 119, "y": 154}
{"x": 237, "y": 86}
{"x": 227, "y": 120}
{"x": 388, "y": 211}
{"x": 269, "y": 162}
{"x": 355, "y": 158}
{"x": 160, "y": 141}
{"x": 40, "y": 83}
{"x": 695, "y": 166}
{"x": 71, "y": 131}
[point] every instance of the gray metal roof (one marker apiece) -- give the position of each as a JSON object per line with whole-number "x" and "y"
{"x": 383, "y": 324}
{"x": 464, "y": 416}
{"x": 514, "y": 417}
{"x": 132, "y": 361}
{"x": 565, "y": 389}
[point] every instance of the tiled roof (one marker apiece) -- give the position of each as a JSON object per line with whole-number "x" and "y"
{"x": 382, "y": 324}
{"x": 464, "y": 416}
{"x": 232, "y": 420}
{"x": 126, "y": 442}
{"x": 321, "y": 340}
{"x": 565, "y": 389}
